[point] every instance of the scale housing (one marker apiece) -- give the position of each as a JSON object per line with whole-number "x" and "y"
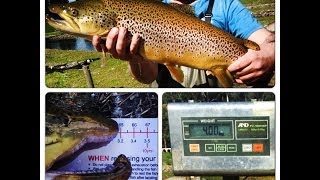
{"x": 222, "y": 138}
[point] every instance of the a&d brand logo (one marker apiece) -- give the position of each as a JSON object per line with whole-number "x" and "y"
{"x": 243, "y": 125}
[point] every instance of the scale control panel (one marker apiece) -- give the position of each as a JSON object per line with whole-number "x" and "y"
{"x": 226, "y": 136}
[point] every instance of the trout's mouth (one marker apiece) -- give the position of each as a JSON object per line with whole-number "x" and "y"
{"x": 62, "y": 21}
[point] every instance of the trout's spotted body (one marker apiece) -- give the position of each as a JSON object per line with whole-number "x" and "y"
{"x": 168, "y": 35}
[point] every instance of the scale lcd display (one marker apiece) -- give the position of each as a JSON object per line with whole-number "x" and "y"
{"x": 211, "y": 130}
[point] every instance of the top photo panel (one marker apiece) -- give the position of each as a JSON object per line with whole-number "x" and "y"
{"x": 160, "y": 44}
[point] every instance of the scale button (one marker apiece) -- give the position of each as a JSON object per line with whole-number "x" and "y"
{"x": 186, "y": 133}
{"x": 257, "y": 148}
{"x": 231, "y": 147}
{"x": 194, "y": 147}
{"x": 246, "y": 147}
{"x": 221, "y": 148}
{"x": 209, "y": 147}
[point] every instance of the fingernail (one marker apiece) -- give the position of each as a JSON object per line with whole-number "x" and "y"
{"x": 123, "y": 30}
{"x": 113, "y": 30}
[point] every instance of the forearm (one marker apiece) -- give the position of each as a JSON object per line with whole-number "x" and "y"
{"x": 262, "y": 36}
{"x": 145, "y": 72}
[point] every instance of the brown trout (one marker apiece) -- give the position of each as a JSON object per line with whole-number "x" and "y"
{"x": 168, "y": 35}
{"x": 72, "y": 121}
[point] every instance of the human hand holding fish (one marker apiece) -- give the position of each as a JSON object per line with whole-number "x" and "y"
{"x": 256, "y": 65}
{"x": 117, "y": 45}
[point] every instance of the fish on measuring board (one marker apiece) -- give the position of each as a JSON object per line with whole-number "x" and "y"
{"x": 168, "y": 35}
{"x": 71, "y": 124}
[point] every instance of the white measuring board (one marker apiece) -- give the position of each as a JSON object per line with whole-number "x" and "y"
{"x": 137, "y": 139}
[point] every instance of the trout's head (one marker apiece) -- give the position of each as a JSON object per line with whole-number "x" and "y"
{"x": 83, "y": 18}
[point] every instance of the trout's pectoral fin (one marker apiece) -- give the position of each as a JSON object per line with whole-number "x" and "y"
{"x": 104, "y": 54}
{"x": 103, "y": 59}
{"x": 176, "y": 72}
{"x": 224, "y": 77}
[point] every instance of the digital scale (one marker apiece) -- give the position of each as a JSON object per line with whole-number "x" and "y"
{"x": 222, "y": 138}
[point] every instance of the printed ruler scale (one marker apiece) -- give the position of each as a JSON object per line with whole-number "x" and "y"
{"x": 136, "y": 132}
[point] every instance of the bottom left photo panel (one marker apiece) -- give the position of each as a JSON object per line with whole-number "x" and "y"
{"x": 101, "y": 135}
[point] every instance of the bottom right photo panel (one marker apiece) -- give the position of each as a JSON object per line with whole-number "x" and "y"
{"x": 218, "y": 135}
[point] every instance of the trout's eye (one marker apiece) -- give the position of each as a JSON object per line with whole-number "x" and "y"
{"x": 73, "y": 12}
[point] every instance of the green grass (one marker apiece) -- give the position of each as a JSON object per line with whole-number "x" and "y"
{"x": 255, "y": 9}
{"x": 114, "y": 74}
{"x": 247, "y": 2}
{"x": 262, "y": 8}
{"x": 266, "y": 20}
{"x": 167, "y": 165}
{"x": 167, "y": 158}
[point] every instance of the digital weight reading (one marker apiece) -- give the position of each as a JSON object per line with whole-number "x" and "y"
{"x": 211, "y": 130}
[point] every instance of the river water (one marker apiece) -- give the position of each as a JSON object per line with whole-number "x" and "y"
{"x": 70, "y": 44}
